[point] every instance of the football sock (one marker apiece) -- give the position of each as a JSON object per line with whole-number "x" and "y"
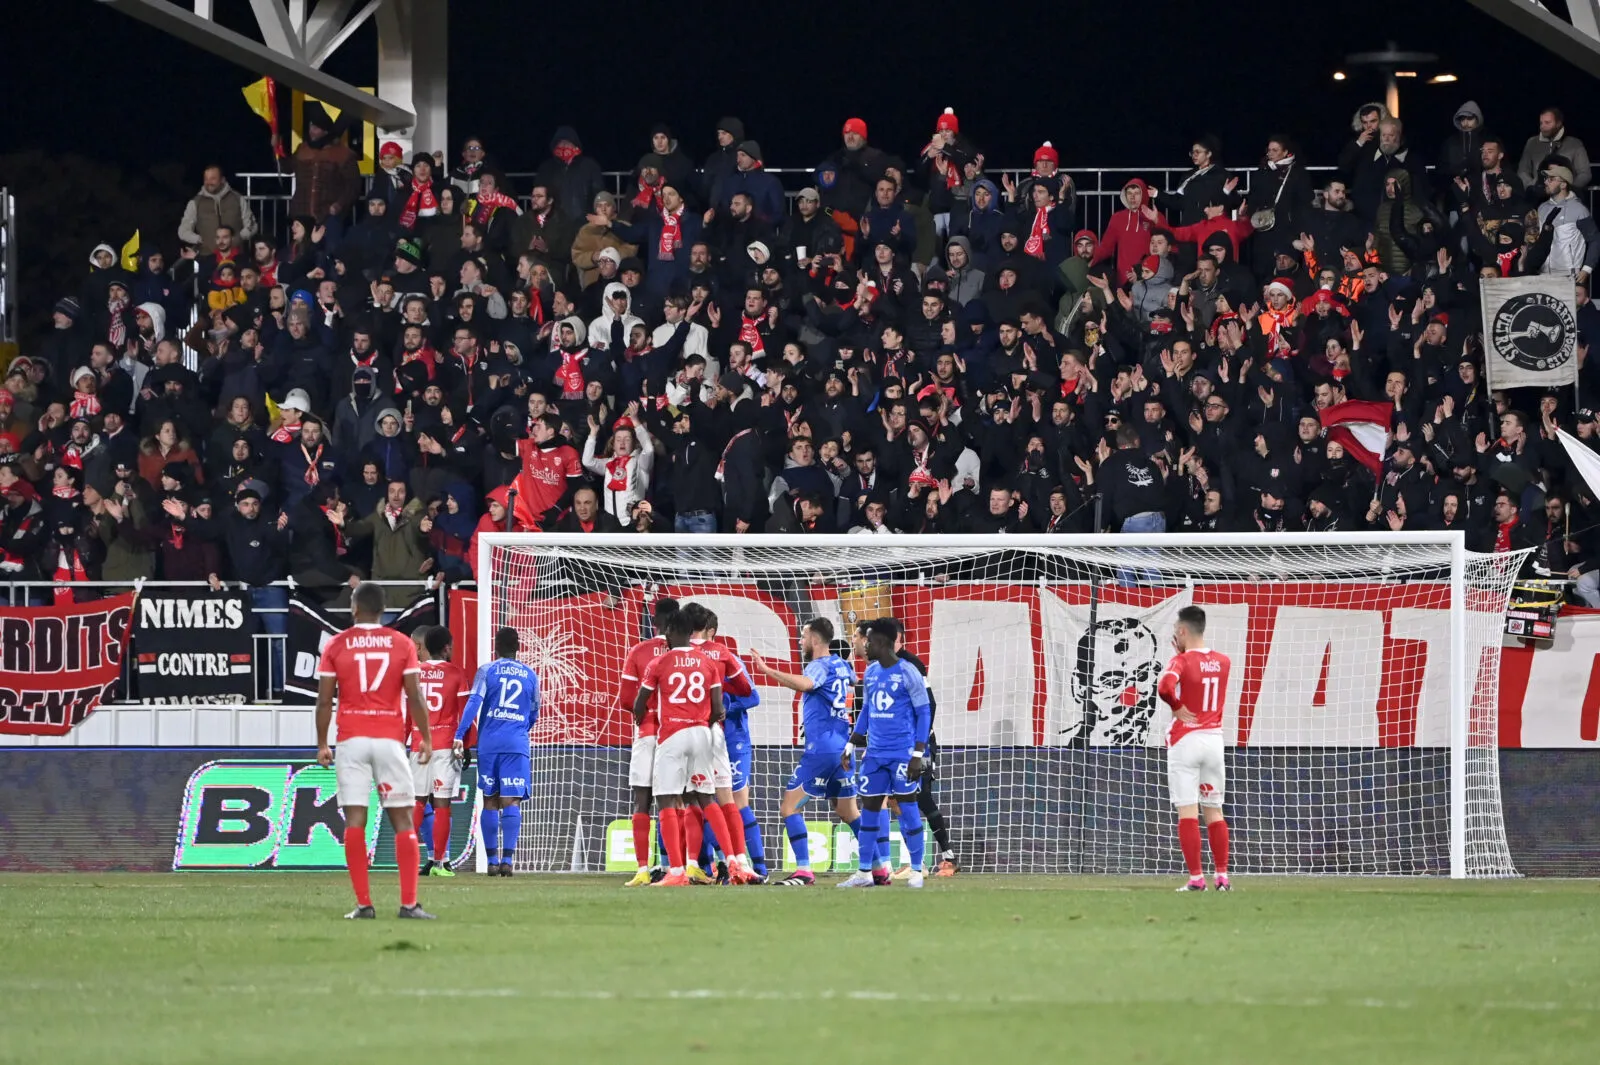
{"x": 407, "y": 852}
{"x": 510, "y": 831}
{"x": 883, "y": 851}
{"x": 424, "y": 825}
{"x": 1218, "y": 832}
{"x": 489, "y": 833}
{"x": 855, "y": 827}
{"x": 671, "y": 818}
{"x": 717, "y": 824}
{"x": 737, "y": 842}
{"x": 1189, "y": 840}
{"x": 641, "y": 839}
{"x": 911, "y": 833}
{"x": 661, "y": 837}
{"x": 753, "y": 846}
{"x": 441, "y": 833}
{"x": 934, "y": 818}
{"x": 694, "y": 831}
{"x": 355, "y": 859}
{"x": 867, "y": 841}
{"x": 799, "y": 840}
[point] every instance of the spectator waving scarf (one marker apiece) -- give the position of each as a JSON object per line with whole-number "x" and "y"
{"x": 671, "y": 234}
{"x": 420, "y": 204}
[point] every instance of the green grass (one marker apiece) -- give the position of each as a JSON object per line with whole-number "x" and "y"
{"x": 234, "y": 968}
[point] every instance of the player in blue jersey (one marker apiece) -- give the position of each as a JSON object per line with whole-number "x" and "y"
{"x": 504, "y": 705}
{"x": 827, "y": 690}
{"x": 893, "y": 727}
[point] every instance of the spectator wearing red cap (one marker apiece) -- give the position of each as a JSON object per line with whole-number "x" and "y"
{"x": 1046, "y": 171}
{"x": 393, "y": 177}
{"x": 858, "y": 165}
{"x": 22, "y": 532}
{"x": 943, "y": 162}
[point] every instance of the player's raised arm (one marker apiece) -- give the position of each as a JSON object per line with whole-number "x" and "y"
{"x": 1167, "y": 687}
{"x": 793, "y": 681}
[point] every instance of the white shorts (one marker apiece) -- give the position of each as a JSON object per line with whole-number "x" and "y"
{"x": 683, "y": 763}
{"x": 642, "y": 762}
{"x": 721, "y": 768}
{"x": 440, "y": 776}
{"x": 362, "y": 761}
{"x": 1194, "y": 769}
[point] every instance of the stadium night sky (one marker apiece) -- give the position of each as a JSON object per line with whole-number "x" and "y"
{"x": 1111, "y": 84}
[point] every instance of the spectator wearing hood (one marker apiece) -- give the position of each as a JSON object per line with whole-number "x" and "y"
{"x": 963, "y": 280}
{"x": 388, "y": 445}
{"x": 1552, "y": 140}
{"x": 327, "y": 180}
{"x": 216, "y": 204}
{"x": 721, "y": 162}
{"x": 611, "y": 330}
{"x": 1127, "y": 237}
{"x": 1459, "y": 153}
{"x": 980, "y": 224}
{"x": 572, "y": 177}
{"x": 68, "y": 343}
{"x": 749, "y": 177}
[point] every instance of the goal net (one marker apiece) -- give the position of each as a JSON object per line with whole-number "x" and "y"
{"x": 1360, "y": 715}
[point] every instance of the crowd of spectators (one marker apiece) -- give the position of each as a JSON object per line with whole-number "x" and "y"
{"x": 909, "y": 345}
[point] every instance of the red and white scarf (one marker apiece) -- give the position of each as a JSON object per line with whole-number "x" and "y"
{"x": 919, "y": 467}
{"x": 487, "y": 203}
{"x": 671, "y": 234}
{"x": 617, "y": 473}
{"x": 312, "y": 474}
{"x": 1039, "y": 233}
{"x": 422, "y": 203}
{"x": 648, "y": 194}
{"x": 69, "y": 569}
{"x": 750, "y": 333}
{"x": 723, "y": 461}
{"x": 118, "y": 333}
{"x": 571, "y": 373}
{"x": 84, "y": 405}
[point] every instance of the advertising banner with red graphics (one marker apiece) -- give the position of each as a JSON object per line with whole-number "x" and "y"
{"x": 1550, "y": 689}
{"x": 58, "y": 663}
{"x": 1315, "y": 665}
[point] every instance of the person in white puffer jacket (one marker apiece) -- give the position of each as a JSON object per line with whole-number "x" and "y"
{"x": 624, "y": 467}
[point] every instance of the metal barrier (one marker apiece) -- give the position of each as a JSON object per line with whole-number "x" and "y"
{"x": 267, "y": 721}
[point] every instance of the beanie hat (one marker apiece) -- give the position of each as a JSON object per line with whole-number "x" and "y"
{"x": 1279, "y": 283}
{"x": 948, "y": 123}
{"x": 421, "y": 157}
{"x": 1151, "y": 263}
{"x": 858, "y": 126}
{"x": 82, "y": 371}
{"x": 68, "y": 306}
{"x": 750, "y": 148}
{"x": 1047, "y": 151}
{"x": 409, "y": 251}
{"x": 390, "y": 148}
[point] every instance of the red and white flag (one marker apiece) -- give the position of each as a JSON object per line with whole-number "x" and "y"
{"x": 1362, "y": 426}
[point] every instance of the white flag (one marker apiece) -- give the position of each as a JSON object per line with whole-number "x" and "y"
{"x": 1586, "y": 461}
{"x": 1530, "y": 331}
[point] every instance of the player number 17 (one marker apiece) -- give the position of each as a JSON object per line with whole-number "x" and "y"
{"x": 369, "y": 682}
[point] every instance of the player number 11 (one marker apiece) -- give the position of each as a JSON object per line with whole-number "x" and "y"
{"x": 1210, "y": 694}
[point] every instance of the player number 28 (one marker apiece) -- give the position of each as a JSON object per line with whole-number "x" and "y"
{"x": 692, "y": 685}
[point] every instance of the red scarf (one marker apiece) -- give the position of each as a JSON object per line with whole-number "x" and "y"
{"x": 750, "y": 333}
{"x": 69, "y": 568}
{"x": 1502, "y": 536}
{"x": 566, "y": 153}
{"x": 723, "y": 461}
{"x": 338, "y": 536}
{"x": 535, "y": 306}
{"x": 286, "y": 433}
{"x": 84, "y": 405}
{"x": 617, "y": 473}
{"x": 118, "y": 333}
{"x": 488, "y": 203}
{"x": 312, "y": 475}
{"x": 1039, "y": 233}
{"x": 671, "y": 234}
{"x": 269, "y": 274}
{"x": 919, "y": 472}
{"x": 648, "y": 194}
{"x": 421, "y": 203}
{"x": 571, "y": 373}
{"x": 429, "y": 357}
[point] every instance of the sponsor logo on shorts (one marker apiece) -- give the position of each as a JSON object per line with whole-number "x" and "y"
{"x": 1207, "y": 789}
{"x": 384, "y": 788}
{"x": 698, "y": 780}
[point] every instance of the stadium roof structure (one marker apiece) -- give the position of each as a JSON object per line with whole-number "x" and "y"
{"x": 1577, "y": 41}
{"x": 297, "y": 38}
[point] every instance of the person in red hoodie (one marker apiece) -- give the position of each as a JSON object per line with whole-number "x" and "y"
{"x": 1127, "y": 235}
{"x": 1237, "y": 230}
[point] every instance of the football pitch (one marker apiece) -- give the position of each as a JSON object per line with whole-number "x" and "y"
{"x": 261, "y": 968}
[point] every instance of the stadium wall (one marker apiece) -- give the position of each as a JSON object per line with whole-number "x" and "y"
{"x": 140, "y": 809}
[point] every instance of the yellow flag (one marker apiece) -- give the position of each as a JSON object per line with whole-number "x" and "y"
{"x": 259, "y": 95}
{"x": 130, "y": 254}
{"x": 368, "y": 147}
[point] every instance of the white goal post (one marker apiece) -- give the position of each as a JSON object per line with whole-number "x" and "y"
{"x": 1361, "y": 715}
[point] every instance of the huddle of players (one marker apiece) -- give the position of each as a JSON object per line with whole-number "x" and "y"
{"x": 374, "y": 672}
{"x": 669, "y": 700}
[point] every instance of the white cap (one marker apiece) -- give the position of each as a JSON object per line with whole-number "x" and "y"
{"x": 296, "y": 400}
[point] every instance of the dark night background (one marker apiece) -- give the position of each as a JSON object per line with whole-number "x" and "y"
{"x": 109, "y": 121}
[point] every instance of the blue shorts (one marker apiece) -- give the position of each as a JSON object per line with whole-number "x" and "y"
{"x": 739, "y": 752}
{"x": 885, "y": 774}
{"x": 821, "y": 776}
{"x": 505, "y": 774}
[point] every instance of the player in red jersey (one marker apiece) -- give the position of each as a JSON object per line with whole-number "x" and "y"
{"x": 735, "y": 681}
{"x": 369, "y": 667}
{"x": 642, "y": 761}
{"x": 445, "y": 687}
{"x": 687, "y": 690}
{"x": 1195, "y": 686}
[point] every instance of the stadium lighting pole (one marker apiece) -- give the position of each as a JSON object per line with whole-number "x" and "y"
{"x": 1393, "y": 64}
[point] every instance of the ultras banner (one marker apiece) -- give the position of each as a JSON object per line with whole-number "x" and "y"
{"x": 58, "y": 663}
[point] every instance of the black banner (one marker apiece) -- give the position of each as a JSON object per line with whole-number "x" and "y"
{"x": 309, "y": 628}
{"x": 193, "y": 646}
